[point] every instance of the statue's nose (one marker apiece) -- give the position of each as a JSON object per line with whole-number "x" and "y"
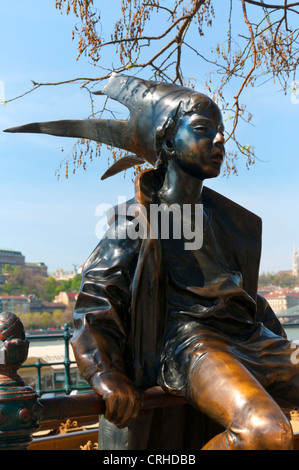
{"x": 219, "y": 140}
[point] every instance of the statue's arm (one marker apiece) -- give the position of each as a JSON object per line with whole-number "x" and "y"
{"x": 99, "y": 320}
{"x": 266, "y": 315}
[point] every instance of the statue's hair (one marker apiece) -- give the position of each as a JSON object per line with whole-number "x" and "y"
{"x": 167, "y": 131}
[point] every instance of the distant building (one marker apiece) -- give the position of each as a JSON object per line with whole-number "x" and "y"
{"x": 61, "y": 275}
{"x": 52, "y": 306}
{"x": 19, "y": 304}
{"x": 295, "y": 265}
{"x": 295, "y": 262}
{"x": 11, "y": 257}
{"x": 67, "y": 298}
{"x": 38, "y": 268}
{"x": 16, "y": 304}
{"x": 39, "y": 305}
{"x": 264, "y": 290}
{"x": 288, "y": 272}
{"x": 15, "y": 258}
{"x": 280, "y": 301}
{"x": 35, "y": 304}
{"x": 290, "y": 316}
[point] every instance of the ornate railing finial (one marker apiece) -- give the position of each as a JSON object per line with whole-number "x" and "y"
{"x": 19, "y": 406}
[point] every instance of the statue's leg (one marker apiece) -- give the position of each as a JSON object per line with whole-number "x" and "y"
{"x": 222, "y": 388}
{"x": 286, "y": 392}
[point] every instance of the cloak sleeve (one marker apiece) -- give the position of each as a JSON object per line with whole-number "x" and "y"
{"x": 102, "y": 308}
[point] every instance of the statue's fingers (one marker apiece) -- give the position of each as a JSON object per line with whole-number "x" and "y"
{"x": 136, "y": 409}
{"x": 130, "y": 411}
{"x": 117, "y": 410}
{"x": 110, "y": 408}
{"x": 121, "y": 412}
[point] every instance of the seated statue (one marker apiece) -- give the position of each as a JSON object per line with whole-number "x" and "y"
{"x": 161, "y": 310}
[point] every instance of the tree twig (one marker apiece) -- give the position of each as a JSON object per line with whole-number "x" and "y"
{"x": 275, "y": 7}
{"x": 245, "y": 81}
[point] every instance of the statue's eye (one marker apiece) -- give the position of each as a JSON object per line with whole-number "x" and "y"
{"x": 201, "y": 128}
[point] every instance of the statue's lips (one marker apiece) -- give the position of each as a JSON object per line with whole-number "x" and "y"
{"x": 218, "y": 158}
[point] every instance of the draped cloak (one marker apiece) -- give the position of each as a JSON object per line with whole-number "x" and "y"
{"x": 121, "y": 313}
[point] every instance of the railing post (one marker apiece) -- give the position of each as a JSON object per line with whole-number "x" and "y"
{"x": 67, "y": 362}
{"x": 19, "y": 405}
{"x": 38, "y": 377}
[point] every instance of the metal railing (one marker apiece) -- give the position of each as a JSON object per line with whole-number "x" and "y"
{"x": 66, "y": 363}
{"x": 23, "y": 412}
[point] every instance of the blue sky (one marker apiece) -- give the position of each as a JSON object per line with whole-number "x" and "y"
{"x": 54, "y": 220}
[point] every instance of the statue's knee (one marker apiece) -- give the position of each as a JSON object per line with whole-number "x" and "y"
{"x": 264, "y": 434}
{"x": 281, "y": 436}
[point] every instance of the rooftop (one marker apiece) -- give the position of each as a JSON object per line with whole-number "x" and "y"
{"x": 290, "y": 312}
{"x": 13, "y": 297}
{"x": 274, "y": 295}
{"x": 6, "y": 251}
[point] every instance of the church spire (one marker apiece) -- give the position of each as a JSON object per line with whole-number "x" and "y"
{"x": 295, "y": 262}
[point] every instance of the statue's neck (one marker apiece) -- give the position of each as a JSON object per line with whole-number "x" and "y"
{"x": 180, "y": 187}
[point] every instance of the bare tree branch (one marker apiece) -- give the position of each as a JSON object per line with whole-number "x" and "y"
{"x": 275, "y": 7}
{"x": 270, "y": 49}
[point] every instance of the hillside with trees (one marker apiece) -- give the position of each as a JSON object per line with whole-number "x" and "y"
{"x": 20, "y": 281}
{"x": 280, "y": 279}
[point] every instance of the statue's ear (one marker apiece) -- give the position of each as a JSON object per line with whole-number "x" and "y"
{"x": 165, "y": 134}
{"x": 169, "y": 147}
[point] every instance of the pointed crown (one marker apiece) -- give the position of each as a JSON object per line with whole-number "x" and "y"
{"x": 150, "y": 103}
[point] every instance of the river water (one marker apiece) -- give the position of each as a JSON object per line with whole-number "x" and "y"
{"x": 292, "y": 332}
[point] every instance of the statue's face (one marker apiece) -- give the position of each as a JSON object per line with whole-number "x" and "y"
{"x": 199, "y": 142}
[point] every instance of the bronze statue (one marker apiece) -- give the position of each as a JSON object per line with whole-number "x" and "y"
{"x": 152, "y": 312}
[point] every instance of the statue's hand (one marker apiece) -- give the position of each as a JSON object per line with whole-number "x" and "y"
{"x": 121, "y": 397}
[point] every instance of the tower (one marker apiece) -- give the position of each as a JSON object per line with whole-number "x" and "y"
{"x": 295, "y": 262}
